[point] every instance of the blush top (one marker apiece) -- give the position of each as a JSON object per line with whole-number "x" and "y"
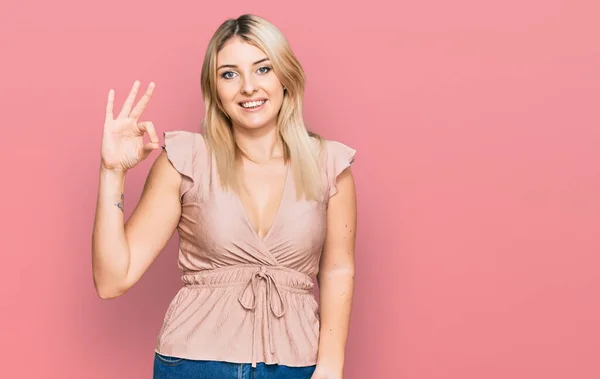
{"x": 245, "y": 299}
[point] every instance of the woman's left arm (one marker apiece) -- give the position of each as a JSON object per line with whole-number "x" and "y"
{"x": 336, "y": 279}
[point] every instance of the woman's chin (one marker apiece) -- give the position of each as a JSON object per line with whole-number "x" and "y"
{"x": 253, "y": 125}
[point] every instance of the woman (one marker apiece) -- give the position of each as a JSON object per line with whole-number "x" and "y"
{"x": 252, "y": 199}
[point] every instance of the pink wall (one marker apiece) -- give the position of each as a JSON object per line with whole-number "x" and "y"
{"x": 477, "y": 130}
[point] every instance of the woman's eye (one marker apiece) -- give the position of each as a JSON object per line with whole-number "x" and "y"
{"x": 227, "y": 75}
{"x": 230, "y": 74}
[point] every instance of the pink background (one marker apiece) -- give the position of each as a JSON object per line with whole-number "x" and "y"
{"x": 477, "y": 130}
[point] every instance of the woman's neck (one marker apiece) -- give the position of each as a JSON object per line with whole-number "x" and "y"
{"x": 258, "y": 145}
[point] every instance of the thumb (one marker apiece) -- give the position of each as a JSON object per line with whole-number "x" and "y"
{"x": 148, "y": 149}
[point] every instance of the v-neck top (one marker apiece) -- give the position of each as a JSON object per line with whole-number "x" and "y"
{"x": 245, "y": 299}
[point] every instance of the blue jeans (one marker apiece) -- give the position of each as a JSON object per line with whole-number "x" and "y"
{"x": 166, "y": 367}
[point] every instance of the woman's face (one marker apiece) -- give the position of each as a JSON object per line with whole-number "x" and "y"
{"x": 249, "y": 90}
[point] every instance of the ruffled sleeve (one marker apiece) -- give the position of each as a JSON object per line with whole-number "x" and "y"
{"x": 180, "y": 147}
{"x": 339, "y": 157}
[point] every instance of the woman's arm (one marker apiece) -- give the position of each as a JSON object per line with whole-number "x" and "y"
{"x": 336, "y": 278}
{"x": 121, "y": 253}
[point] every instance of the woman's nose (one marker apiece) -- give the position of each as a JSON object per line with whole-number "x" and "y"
{"x": 248, "y": 85}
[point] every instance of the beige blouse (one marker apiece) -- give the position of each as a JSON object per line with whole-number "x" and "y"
{"x": 244, "y": 299}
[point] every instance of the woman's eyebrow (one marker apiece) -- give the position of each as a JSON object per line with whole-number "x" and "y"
{"x": 234, "y": 66}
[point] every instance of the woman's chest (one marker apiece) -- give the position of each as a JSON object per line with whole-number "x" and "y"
{"x": 222, "y": 228}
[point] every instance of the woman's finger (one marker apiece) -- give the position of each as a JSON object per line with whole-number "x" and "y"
{"x": 126, "y": 109}
{"x": 109, "y": 107}
{"x": 148, "y": 148}
{"x": 141, "y": 105}
{"x": 148, "y": 127}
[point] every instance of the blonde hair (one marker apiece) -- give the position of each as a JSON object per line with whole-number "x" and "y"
{"x": 300, "y": 151}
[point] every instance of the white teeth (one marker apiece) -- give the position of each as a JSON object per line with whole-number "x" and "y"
{"x": 253, "y": 104}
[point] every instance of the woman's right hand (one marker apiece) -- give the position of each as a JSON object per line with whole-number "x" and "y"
{"x": 123, "y": 145}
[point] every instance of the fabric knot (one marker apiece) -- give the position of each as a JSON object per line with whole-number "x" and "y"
{"x": 271, "y": 289}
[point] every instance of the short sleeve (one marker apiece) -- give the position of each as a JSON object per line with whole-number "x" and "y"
{"x": 180, "y": 147}
{"x": 339, "y": 157}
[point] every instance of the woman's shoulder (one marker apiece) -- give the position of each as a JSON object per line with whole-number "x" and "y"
{"x": 183, "y": 149}
{"x": 333, "y": 149}
{"x": 184, "y": 141}
{"x": 337, "y": 156}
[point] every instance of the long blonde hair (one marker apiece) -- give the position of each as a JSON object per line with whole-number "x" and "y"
{"x": 300, "y": 150}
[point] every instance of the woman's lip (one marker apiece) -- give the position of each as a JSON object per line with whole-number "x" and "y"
{"x": 254, "y": 109}
{"x": 252, "y": 100}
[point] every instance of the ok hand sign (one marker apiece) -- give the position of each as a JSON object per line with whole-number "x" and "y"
{"x": 123, "y": 146}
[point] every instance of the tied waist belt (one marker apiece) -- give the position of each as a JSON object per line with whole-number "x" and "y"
{"x": 275, "y": 305}
{"x": 271, "y": 288}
